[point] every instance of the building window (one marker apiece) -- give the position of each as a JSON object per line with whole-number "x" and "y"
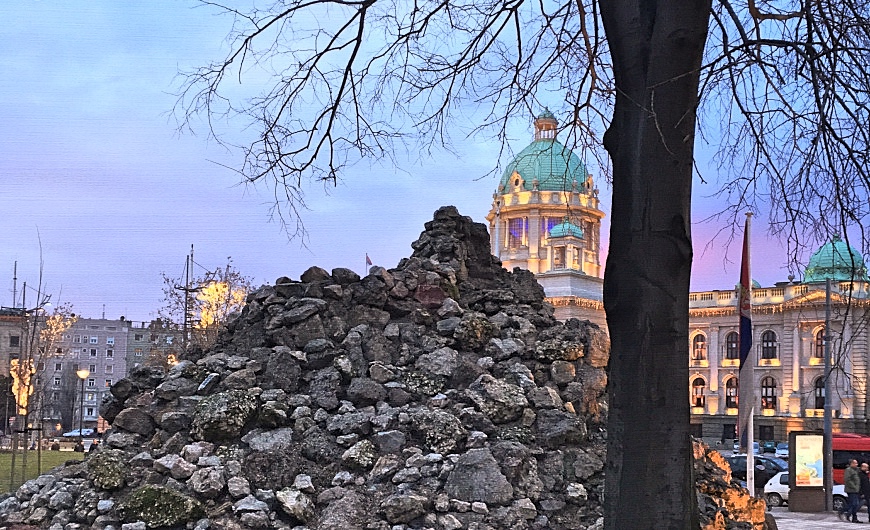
{"x": 819, "y": 393}
{"x": 819, "y": 350}
{"x": 40, "y": 366}
{"x": 92, "y": 368}
{"x": 516, "y": 232}
{"x": 89, "y": 411}
{"x": 93, "y": 352}
{"x": 108, "y": 383}
{"x": 731, "y": 393}
{"x": 138, "y": 337}
{"x": 559, "y": 258}
{"x": 58, "y": 367}
{"x": 768, "y": 345}
{"x": 110, "y": 341}
{"x": 699, "y": 347}
{"x": 137, "y": 352}
{"x": 54, "y": 396}
{"x": 57, "y": 381}
{"x": 89, "y": 396}
{"x": 110, "y": 354}
{"x": 698, "y": 386}
{"x": 95, "y": 340}
{"x": 92, "y": 382}
{"x": 110, "y": 369}
{"x": 732, "y": 346}
{"x": 14, "y": 341}
{"x": 77, "y": 338}
{"x": 548, "y": 224}
{"x": 768, "y": 393}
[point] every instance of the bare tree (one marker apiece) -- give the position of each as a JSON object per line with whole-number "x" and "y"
{"x": 789, "y": 89}
{"x": 206, "y": 302}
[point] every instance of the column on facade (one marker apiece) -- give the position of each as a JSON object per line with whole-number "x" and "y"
{"x": 533, "y": 237}
{"x": 713, "y": 362}
{"x": 794, "y": 398}
{"x": 856, "y": 363}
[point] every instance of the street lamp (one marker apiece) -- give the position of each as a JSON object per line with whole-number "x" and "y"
{"x": 83, "y": 374}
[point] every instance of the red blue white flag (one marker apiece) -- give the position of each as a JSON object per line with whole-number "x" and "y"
{"x": 368, "y": 260}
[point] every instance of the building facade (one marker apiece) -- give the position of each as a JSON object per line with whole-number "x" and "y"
{"x": 545, "y": 218}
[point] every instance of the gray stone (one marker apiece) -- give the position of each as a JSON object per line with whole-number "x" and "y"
{"x": 477, "y": 477}
{"x": 271, "y": 440}
{"x": 501, "y": 401}
{"x": 135, "y": 420}
{"x": 295, "y": 504}
{"x": 404, "y": 508}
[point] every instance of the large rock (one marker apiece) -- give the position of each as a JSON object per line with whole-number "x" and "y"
{"x": 160, "y": 507}
{"x": 222, "y": 416}
{"x": 477, "y": 477}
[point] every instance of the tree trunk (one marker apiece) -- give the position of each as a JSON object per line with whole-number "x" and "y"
{"x": 656, "y": 49}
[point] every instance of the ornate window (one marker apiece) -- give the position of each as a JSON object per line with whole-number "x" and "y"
{"x": 699, "y": 347}
{"x": 698, "y": 386}
{"x": 517, "y": 229}
{"x": 731, "y": 393}
{"x": 819, "y": 393}
{"x": 819, "y": 349}
{"x": 732, "y": 346}
{"x": 768, "y": 345}
{"x": 768, "y": 393}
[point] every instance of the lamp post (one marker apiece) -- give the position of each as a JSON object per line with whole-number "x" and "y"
{"x": 83, "y": 374}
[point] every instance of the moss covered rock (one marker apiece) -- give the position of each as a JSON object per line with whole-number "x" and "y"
{"x": 108, "y": 469}
{"x": 222, "y": 416}
{"x": 160, "y": 507}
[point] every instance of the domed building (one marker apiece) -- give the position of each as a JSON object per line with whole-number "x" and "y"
{"x": 545, "y": 218}
{"x": 788, "y": 349}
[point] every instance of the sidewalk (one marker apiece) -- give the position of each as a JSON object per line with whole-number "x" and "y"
{"x": 786, "y": 520}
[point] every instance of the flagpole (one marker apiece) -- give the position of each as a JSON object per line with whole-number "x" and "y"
{"x": 745, "y": 381}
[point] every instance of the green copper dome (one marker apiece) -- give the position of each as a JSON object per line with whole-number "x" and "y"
{"x": 836, "y": 260}
{"x": 546, "y": 160}
{"x": 565, "y": 229}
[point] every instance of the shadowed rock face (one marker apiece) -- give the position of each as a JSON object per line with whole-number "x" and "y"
{"x": 438, "y": 394}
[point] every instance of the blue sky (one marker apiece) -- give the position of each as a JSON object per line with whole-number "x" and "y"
{"x": 94, "y": 170}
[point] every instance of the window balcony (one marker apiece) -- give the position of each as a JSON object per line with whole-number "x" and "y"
{"x": 697, "y": 410}
{"x": 817, "y": 361}
{"x": 731, "y": 363}
{"x": 699, "y": 363}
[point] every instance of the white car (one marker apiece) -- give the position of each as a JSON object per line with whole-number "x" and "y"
{"x": 75, "y": 433}
{"x": 776, "y": 491}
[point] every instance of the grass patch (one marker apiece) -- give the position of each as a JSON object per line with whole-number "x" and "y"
{"x": 50, "y": 459}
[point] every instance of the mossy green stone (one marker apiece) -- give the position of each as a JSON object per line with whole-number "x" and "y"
{"x": 222, "y": 416}
{"x": 160, "y": 507}
{"x": 108, "y": 470}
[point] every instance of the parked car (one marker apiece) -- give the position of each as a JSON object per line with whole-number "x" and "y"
{"x": 765, "y": 467}
{"x": 768, "y": 446}
{"x": 776, "y": 492}
{"x": 756, "y": 448}
{"x": 782, "y": 450}
{"x": 75, "y": 433}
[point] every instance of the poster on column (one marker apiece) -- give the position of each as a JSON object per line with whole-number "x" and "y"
{"x": 808, "y": 460}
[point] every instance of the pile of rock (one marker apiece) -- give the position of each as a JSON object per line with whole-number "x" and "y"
{"x": 440, "y": 394}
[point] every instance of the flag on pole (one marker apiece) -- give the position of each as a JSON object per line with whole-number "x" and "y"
{"x": 368, "y": 260}
{"x": 744, "y": 311}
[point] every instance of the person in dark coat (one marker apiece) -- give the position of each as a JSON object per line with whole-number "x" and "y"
{"x": 852, "y": 485}
{"x": 865, "y": 486}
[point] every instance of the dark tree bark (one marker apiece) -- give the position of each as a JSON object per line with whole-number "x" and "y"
{"x": 656, "y": 48}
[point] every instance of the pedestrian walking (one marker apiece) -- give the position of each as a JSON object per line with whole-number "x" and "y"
{"x": 852, "y": 486}
{"x": 865, "y": 486}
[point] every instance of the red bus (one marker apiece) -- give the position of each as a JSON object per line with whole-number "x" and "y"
{"x": 845, "y": 447}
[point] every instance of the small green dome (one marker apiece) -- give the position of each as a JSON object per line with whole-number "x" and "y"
{"x": 565, "y": 229}
{"x": 546, "y": 160}
{"x": 835, "y": 260}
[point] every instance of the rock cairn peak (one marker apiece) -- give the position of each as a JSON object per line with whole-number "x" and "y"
{"x": 440, "y": 394}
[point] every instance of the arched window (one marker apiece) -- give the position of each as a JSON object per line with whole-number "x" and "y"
{"x": 768, "y": 393}
{"x": 732, "y": 346}
{"x": 820, "y": 393}
{"x": 768, "y": 345}
{"x": 731, "y": 393}
{"x": 698, "y": 386}
{"x": 819, "y": 350}
{"x": 699, "y": 347}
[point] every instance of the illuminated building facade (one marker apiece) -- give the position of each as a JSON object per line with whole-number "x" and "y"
{"x": 545, "y": 218}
